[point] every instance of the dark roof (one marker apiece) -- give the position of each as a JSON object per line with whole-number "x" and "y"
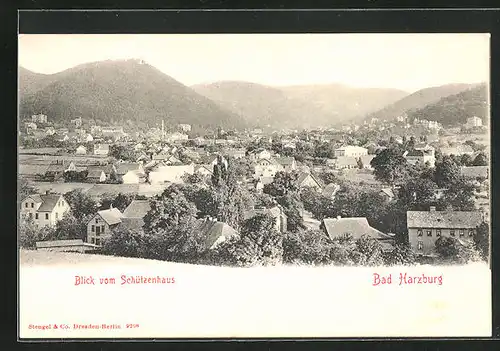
{"x": 111, "y": 216}
{"x": 95, "y": 172}
{"x": 475, "y": 171}
{"x": 212, "y": 230}
{"x": 49, "y": 201}
{"x": 355, "y": 226}
{"x": 443, "y": 219}
{"x": 137, "y": 209}
{"x": 285, "y": 161}
{"x": 304, "y": 175}
{"x": 124, "y": 167}
{"x": 132, "y": 224}
{"x": 418, "y": 153}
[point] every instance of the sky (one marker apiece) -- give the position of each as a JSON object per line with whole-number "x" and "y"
{"x": 403, "y": 61}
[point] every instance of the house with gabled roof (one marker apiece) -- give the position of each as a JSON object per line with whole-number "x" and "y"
{"x": 287, "y": 163}
{"x": 101, "y": 225}
{"x": 214, "y": 232}
{"x": 45, "y": 210}
{"x": 266, "y": 167}
{"x": 425, "y": 227}
{"x": 129, "y": 173}
{"x": 308, "y": 180}
{"x": 355, "y": 227}
{"x": 96, "y": 175}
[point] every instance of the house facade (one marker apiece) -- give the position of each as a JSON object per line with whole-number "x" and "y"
{"x": 421, "y": 156}
{"x": 351, "y": 151}
{"x": 172, "y": 174}
{"x": 266, "y": 167}
{"x": 425, "y": 227}
{"x": 101, "y": 149}
{"x": 101, "y": 224}
{"x": 44, "y": 210}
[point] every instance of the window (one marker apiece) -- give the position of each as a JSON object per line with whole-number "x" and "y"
{"x": 97, "y": 220}
{"x": 30, "y": 215}
{"x": 452, "y": 232}
{"x": 419, "y": 232}
{"x": 46, "y": 216}
{"x": 102, "y": 228}
{"x": 36, "y": 215}
{"x": 26, "y": 204}
{"x": 32, "y": 205}
{"x": 429, "y": 232}
{"x": 471, "y": 232}
{"x": 420, "y": 245}
{"x": 93, "y": 228}
{"x": 92, "y": 241}
{"x": 98, "y": 241}
{"x": 461, "y": 232}
{"x": 438, "y": 232}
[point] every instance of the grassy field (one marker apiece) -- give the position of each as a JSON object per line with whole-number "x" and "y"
{"x": 98, "y": 189}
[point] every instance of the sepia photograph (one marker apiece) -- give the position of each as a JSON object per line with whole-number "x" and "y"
{"x": 254, "y": 185}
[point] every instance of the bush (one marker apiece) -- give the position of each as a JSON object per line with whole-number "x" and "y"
{"x": 309, "y": 247}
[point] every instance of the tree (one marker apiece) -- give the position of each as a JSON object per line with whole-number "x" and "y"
{"x": 466, "y": 160}
{"x": 24, "y": 189}
{"x": 292, "y": 207}
{"x": 284, "y": 183}
{"x": 482, "y": 241}
{"x": 402, "y": 254}
{"x": 328, "y": 178}
{"x": 389, "y": 166}
{"x": 121, "y": 152}
{"x": 480, "y": 160}
{"x": 231, "y": 200}
{"x": 309, "y": 247}
{"x": 459, "y": 195}
{"x": 80, "y": 203}
{"x": 448, "y": 247}
{"x": 123, "y": 242}
{"x": 29, "y": 234}
{"x": 259, "y": 243}
{"x": 447, "y": 172}
{"x": 75, "y": 176}
{"x": 69, "y": 227}
{"x": 370, "y": 251}
{"x": 170, "y": 228}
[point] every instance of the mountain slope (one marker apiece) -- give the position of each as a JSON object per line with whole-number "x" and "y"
{"x": 418, "y": 100}
{"x": 455, "y": 109}
{"x": 344, "y": 101}
{"x": 30, "y": 82}
{"x": 306, "y": 106}
{"x": 120, "y": 91}
{"x": 260, "y": 104}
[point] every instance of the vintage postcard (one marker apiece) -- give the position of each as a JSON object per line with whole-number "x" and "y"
{"x": 254, "y": 186}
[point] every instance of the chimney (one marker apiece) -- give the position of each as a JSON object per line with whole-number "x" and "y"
{"x": 432, "y": 209}
{"x": 47, "y": 192}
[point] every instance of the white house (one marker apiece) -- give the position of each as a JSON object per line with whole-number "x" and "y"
{"x": 101, "y": 149}
{"x": 45, "y": 210}
{"x": 420, "y": 156}
{"x": 167, "y": 173}
{"x": 352, "y": 151}
{"x": 130, "y": 173}
{"x": 473, "y": 122}
{"x": 81, "y": 150}
{"x": 101, "y": 224}
{"x": 266, "y": 167}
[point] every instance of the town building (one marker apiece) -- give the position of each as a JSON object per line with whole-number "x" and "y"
{"x": 425, "y": 227}
{"x": 185, "y": 128}
{"x": 81, "y": 150}
{"x": 101, "y": 149}
{"x": 214, "y": 232}
{"x": 130, "y": 173}
{"x": 276, "y": 212}
{"x": 421, "y": 156}
{"x": 351, "y": 151}
{"x": 169, "y": 173}
{"x": 474, "y": 122}
{"x": 307, "y": 180}
{"x": 40, "y": 118}
{"x": 460, "y": 149}
{"x": 266, "y": 167}
{"x": 44, "y": 210}
{"x": 101, "y": 224}
{"x": 69, "y": 245}
{"x": 355, "y": 227}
